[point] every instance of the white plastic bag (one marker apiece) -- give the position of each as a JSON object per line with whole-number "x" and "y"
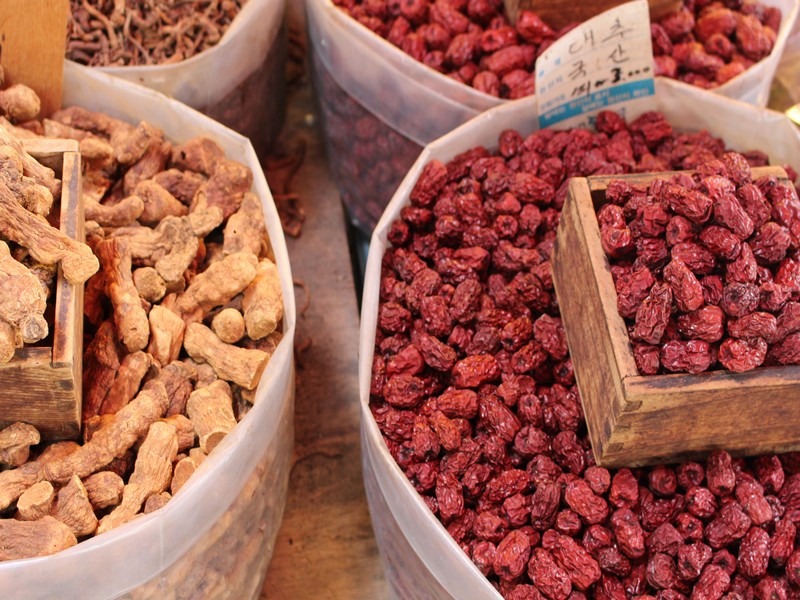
{"x": 239, "y": 81}
{"x": 216, "y": 536}
{"x": 421, "y": 560}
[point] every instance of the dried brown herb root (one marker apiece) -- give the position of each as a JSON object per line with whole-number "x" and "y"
{"x": 151, "y": 474}
{"x": 129, "y": 316}
{"x": 45, "y": 243}
{"x": 27, "y": 539}
{"x": 23, "y": 301}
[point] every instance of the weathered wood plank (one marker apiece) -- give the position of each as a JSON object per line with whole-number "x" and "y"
{"x": 635, "y": 420}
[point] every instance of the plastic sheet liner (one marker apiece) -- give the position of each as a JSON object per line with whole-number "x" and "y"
{"x": 239, "y": 82}
{"x": 215, "y": 538}
{"x": 380, "y": 106}
{"x": 421, "y": 560}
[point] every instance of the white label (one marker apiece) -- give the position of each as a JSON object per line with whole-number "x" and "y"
{"x": 607, "y": 61}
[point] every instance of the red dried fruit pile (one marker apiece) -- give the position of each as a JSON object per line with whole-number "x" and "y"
{"x": 473, "y": 390}
{"x": 706, "y": 268}
{"x": 707, "y": 43}
{"x": 472, "y": 41}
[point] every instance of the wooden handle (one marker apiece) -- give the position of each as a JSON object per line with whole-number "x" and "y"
{"x": 33, "y": 37}
{"x": 558, "y": 13}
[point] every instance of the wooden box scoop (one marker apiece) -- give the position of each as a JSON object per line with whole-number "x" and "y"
{"x": 41, "y": 385}
{"x": 636, "y": 420}
{"x": 559, "y": 13}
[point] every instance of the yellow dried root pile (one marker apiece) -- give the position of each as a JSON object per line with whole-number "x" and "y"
{"x": 183, "y": 316}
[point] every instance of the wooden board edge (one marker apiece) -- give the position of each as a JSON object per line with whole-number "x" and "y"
{"x": 601, "y": 400}
{"x": 600, "y": 182}
{"x": 653, "y": 393}
{"x": 601, "y": 270}
{"x": 69, "y": 298}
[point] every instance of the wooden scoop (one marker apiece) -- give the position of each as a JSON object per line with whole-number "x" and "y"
{"x": 558, "y": 13}
{"x": 33, "y": 36}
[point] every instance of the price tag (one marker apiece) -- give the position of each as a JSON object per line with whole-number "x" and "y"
{"x": 605, "y": 62}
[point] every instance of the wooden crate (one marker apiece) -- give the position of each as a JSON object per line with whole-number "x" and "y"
{"x": 636, "y": 420}
{"x": 41, "y": 385}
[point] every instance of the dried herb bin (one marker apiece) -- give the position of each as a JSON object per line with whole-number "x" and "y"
{"x": 42, "y": 384}
{"x": 636, "y": 420}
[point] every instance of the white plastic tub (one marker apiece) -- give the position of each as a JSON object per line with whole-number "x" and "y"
{"x": 421, "y": 560}
{"x": 239, "y": 82}
{"x": 215, "y": 538}
{"x": 380, "y": 107}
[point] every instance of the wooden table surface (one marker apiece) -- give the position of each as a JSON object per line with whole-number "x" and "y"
{"x": 326, "y": 548}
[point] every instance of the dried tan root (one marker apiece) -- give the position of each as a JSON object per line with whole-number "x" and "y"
{"x": 46, "y": 244}
{"x": 55, "y": 129}
{"x": 32, "y": 196}
{"x": 153, "y": 503}
{"x": 23, "y": 301}
{"x": 205, "y": 221}
{"x": 198, "y": 456}
{"x": 124, "y": 212}
{"x": 228, "y": 324}
{"x": 166, "y": 334}
{"x": 263, "y": 301}
{"x": 46, "y": 274}
{"x": 15, "y": 443}
{"x": 245, "y": 230}
{"x": 211, "y": 411}
{"x": 129, "y": 378}
{"x": 266, "y": 344}
{"x": 8, "y": 342}
{"x": 73, "y": 508}
{"x": 36, "y": 502}
{"x": 96, "y": 186}
{"x": 101, "y": 361}
{"x": 94, "y": 424}
{"x": 230, "y": 363}
{"x": 220, "y": 282}
{"x": 177, "y": 378}
{"x": 28, "y": 539}
{"x": 94, "y": 122}
{"x": 158, "y": 203}
{"x": 225, "y": 188}
{"x": 170, "y": 247}
{"x": 184, "y": 469}
{"x": 131, "y": 147}
{"x": 200, "y": 154}
{"x": 152, "y": 162}
{"x": 93, "y": 231}
{"x": 129, "y": 316}
{"x": 151, "y": 474}
{"x": 19, "y": 132}
{"x": 205, "y": 373}
{"x": 122, "y": 466}
{"x": 185, "y": 430}
{"x": 114, "y": 440}
{"x": 94, "y": 292}
{"x": 30, "y": 166}
{"x": 98, "y": 155}
{"x": 181, "y": 184}
{"x": 150, "y": 285}
{"x": 14, "y": 482}
{"x": 104, "y": 489}
{"x": 19, "y": 103}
